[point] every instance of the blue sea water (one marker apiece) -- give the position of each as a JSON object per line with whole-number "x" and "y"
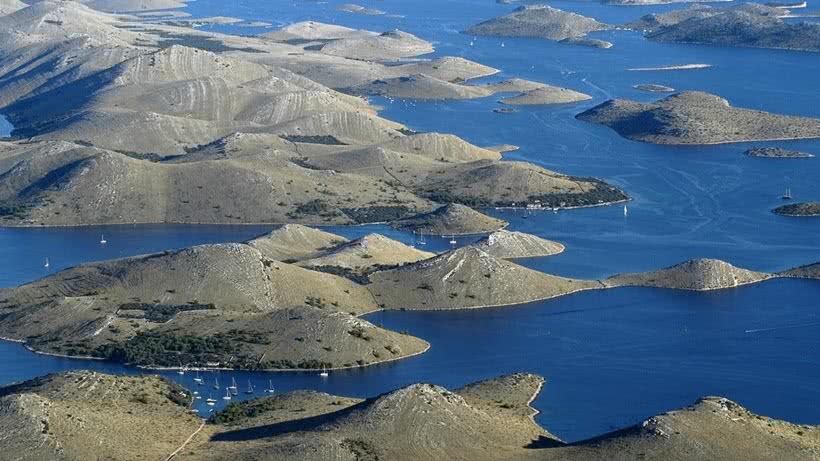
{"x": 5, "y": 127}
{"x": 611, "y": 357}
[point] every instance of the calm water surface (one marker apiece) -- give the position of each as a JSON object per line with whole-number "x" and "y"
{"x": 611, "y": 357}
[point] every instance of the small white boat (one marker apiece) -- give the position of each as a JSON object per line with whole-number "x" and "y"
{"x": 211, "y": 401}
{"x": 198, "y": 380}
{"x": 788, "y": 194}
{"x": 233, "y": 384}
{"x": 502, "y": 45}
{"x": 626, "y": 212}
{"x": 269, "y": 390}
{"x": 46, "y": 264}
{"x": 216, "y": 383}
{"x": 453, "y": 240}
{"x": 250, "y": 388}
{"x": 421, "y": 238}
{"x": 103, "y": 241}
{"x": 227, "y": 395}
{"x": 324, "y": 373}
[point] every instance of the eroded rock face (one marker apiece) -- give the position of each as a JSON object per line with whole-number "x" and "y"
{"x": 697, "y": 118}
{"x": 697, "y": 274}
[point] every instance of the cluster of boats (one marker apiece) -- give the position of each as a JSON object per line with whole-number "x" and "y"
{"x": 232, "y": 390}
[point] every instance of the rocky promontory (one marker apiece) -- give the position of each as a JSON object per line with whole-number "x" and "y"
{"x": 451, "y": 219}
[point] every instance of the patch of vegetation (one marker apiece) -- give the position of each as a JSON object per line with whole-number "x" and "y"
{"x": 165, "y": 350}
{"x": 315, "y": 207}
{"x": 362, "y": 451}
{"x": 328, "y": 140}
{"x": 377, "y": 214}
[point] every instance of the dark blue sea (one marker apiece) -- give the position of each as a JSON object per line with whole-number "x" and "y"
{"x": 611, "y": 358}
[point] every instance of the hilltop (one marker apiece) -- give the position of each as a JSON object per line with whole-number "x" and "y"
{"x": 696, "y": 274}
{"x": 86, "y": 415}
{"x": 697, "y": 118}
{"x": 416, "y": 422}
{"x": 748, "y": 25}
{"x": 511, "y": 245}
{"x": 82, "y": 415}
{"x": 538, "y": 21}
{"x": 361, "y": 256}
{"x": 467, "y": 278}
{"x": 295, "y": 242}
{"x": 224, "y": 304}
{"x": 451, "y": 219}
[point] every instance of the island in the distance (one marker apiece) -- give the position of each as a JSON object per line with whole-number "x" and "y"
{"x": 748, "y": 25}
{"x": 776, "y": 152}
{"x": 697, "y": 118}
{"x": 806, "y": 209}
{"x": 544, "y": 22}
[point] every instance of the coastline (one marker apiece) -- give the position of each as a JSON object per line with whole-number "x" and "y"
{"x": 323, "y": 225}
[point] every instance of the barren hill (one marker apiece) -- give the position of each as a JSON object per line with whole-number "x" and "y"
{"x": 85, "y": 415}
{"x": 510, "y": 245}
{"x": 295, "y": 242}
{"x": 697, "y": 118}
{"x": 451, "y": 219}
{"x": 467, "y": 278}
{"x": 364, "y": 254}
{"x": 227, "y": 304}
{"x": 417, "y": 422}
{"x": 538, "y": 21}
{"x": 697, "y": 274}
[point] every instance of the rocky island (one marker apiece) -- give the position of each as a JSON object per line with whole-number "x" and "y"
{"x": 697, "y": 118}
{"x": 538, "y": 21}
{"x": 807, "y": 209}
{"x": 696, "y": 275}
{"x": 451, "y": 220}
{"x": 776, "y": 152}
{"x": 748, "y": 25}
{"x": 654, "y": 88}
{"x": 809, "y": 271}
{"x": 144, "y": 416}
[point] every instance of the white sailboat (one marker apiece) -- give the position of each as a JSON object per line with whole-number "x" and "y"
{"x": 626, "y": 212}
{"x": 233, "y": 384}
{"x": 46, "y": 264}
{"x": 324, "y": 373}
{"x": 453, "y": 240}
{"x": 211, "y": 401}
{"x": 103, "y": 241}
{"x": 250, "y": 388}
{"x": 227, "y": 395}
{"x": 421, "y": 238}
{"x": 788, "y": 194}
{"x": 269, "y": 390}
{"x": 216, "y": 383}
{"x": 198, "y": 380}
